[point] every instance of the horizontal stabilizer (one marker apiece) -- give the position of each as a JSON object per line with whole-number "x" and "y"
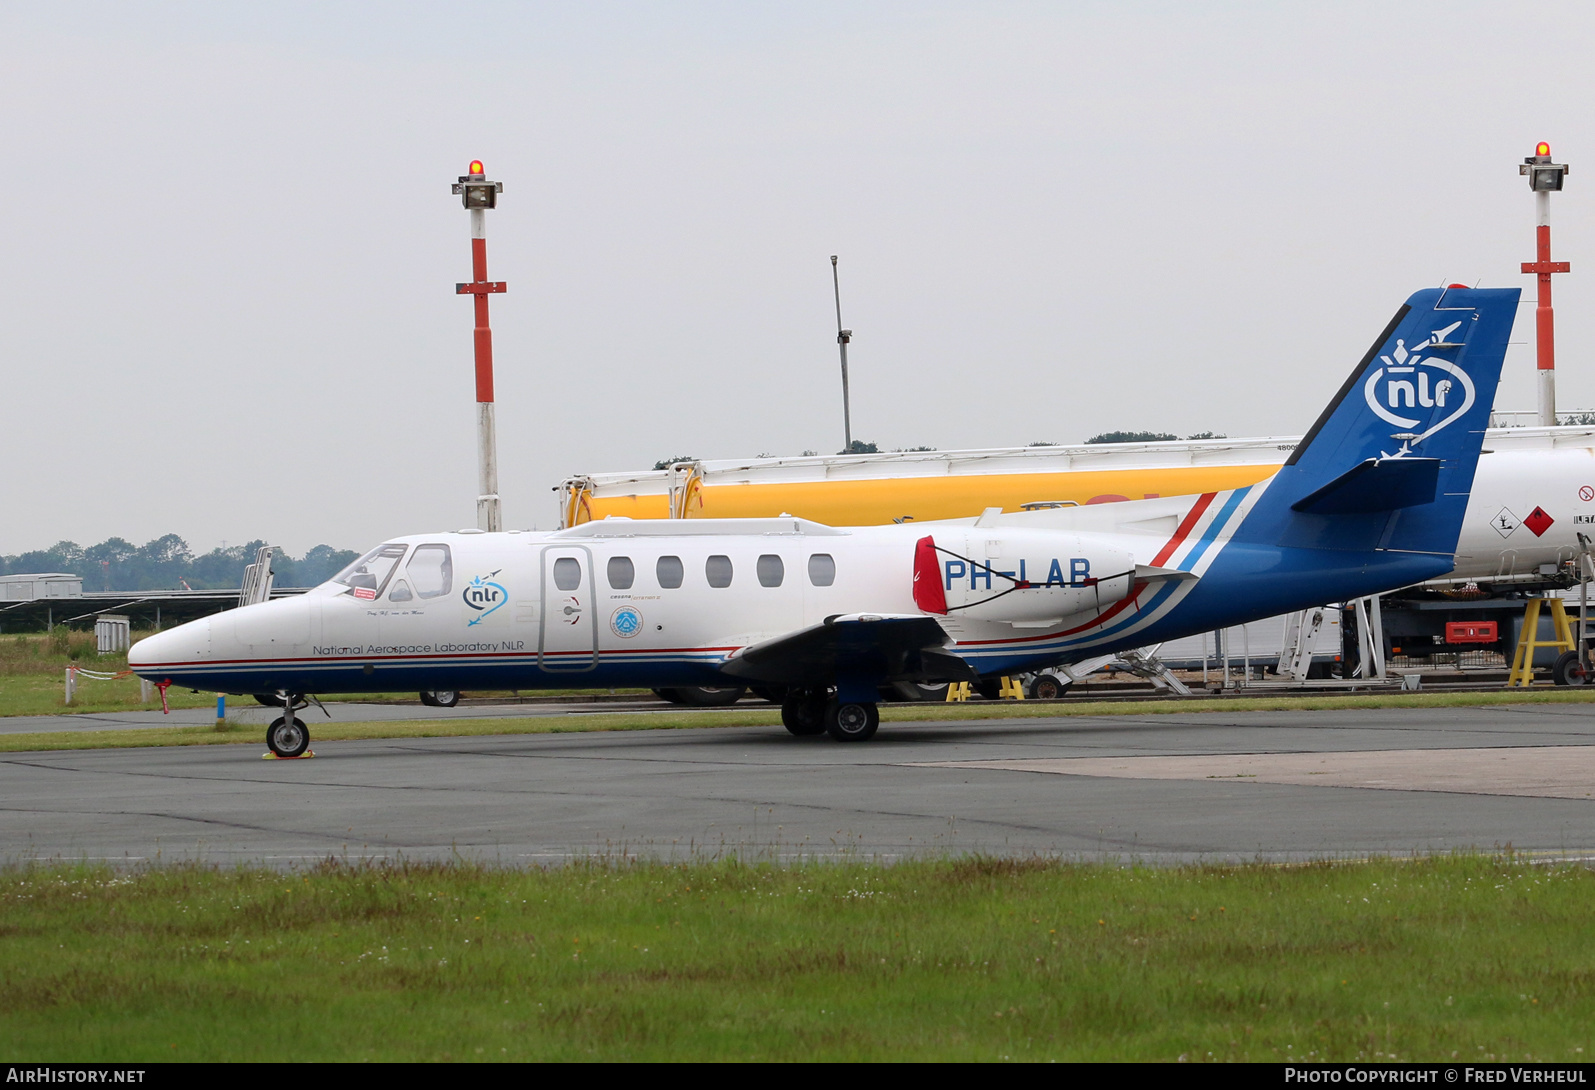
{"x": 1377, "y": 484}
{"x": 1146, "y": 573}
{"x": 888, "y": 647}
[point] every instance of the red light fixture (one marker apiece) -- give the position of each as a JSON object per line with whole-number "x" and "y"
{"x": 1542, "y": 148}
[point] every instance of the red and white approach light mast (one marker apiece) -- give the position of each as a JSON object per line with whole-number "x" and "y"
{"x": 1545, "y": 178}
{"x": 478, "y": 195}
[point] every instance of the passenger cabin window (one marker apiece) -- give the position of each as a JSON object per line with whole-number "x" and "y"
{"x": 621, "y": 572}
{"x": 366, "y": 577}
{"x": 431, "y": 569}
{"x": 670, "y": 570}
{"x": 718, "y": 570}
{"x": 400, "y": 592}
{"x": 771, "y": 570}
{"x": 822, "y": 569}
{"x": 567, "y": 573}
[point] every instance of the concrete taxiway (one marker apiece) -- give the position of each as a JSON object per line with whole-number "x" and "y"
{"x": 1273, "y": 785}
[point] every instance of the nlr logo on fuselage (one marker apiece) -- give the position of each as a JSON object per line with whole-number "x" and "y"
{"x": 480, "y": 597}
{"x": 1415, "y": 383}
{"x": 485, "y": 596}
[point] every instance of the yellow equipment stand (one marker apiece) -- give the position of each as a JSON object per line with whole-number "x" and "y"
{"x": 1523, "y": 661}
{"x": 959, "y": 691}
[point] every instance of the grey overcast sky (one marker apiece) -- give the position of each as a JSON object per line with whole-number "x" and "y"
{"x": 228, "y": 246}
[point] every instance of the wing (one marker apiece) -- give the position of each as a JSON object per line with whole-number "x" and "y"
{"x": 889, "y": 648}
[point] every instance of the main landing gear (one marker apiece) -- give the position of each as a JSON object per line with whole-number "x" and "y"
{"x": 817, "y": 711}
{"x": 288, "y": 737}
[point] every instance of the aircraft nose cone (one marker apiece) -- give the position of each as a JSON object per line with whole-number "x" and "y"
{"x": 146, "y": 653}
{"x": 159, "y": 653}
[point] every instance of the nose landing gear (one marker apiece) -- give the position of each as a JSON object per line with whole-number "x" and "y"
{"x": 288, "y": 737}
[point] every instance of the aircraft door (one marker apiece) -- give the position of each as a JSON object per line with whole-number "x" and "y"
{"x": 567, "y": 639}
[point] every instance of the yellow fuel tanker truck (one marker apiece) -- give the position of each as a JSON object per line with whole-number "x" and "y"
{"x": 866, "y": 489}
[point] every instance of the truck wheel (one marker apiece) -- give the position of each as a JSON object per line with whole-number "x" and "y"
{"x": 1567, "y": 670}
{"x": 1048, "y": 687}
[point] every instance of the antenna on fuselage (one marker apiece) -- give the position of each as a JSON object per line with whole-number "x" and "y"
{"x": 843, "y": 336}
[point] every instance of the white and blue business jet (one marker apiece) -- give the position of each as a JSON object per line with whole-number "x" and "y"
{"x": 1370, "y": 500}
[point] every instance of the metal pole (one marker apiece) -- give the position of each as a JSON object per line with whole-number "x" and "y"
{"x": 489, "y": 515}
{"x": 1544, "y": 316}
{"x": 843, "y": 336}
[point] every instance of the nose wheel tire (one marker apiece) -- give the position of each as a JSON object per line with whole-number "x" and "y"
{"x": 287, "y": 737}
{"x": 851, "y": 722}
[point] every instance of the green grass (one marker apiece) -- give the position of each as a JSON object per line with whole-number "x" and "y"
{"x": 33, "y": 677}
{"x": 974, "y": 959}
{"x": 33, "y": 680}
{"x": 756, "y": 715}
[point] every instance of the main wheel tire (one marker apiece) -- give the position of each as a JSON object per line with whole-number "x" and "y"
{"x": 287, "y": 737}
{"x": 990, "y": 688}
{"x": 270, "y": 700}
{"x": 672, "y": 696}
{"x": 707, "y": 696}
{"x": 802, "y": 715}
{"x": 1567, "y": 670}
{"x": 851, "y": 722}
{"x": 440, "y": 698}
{"x": 1049, "y": 687}
{"x": 918, "y": 690}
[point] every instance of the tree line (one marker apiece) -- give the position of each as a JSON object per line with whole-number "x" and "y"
{"x": 167, "y": 563}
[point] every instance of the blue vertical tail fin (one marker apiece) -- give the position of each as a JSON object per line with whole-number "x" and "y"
{"x": 1390, "y": 462}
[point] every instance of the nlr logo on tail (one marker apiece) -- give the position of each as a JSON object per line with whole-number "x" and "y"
{"x": 1406, "y": 378}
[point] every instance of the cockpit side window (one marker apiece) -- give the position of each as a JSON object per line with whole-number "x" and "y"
{"x": 366, "y": 577}
{"x": 431, "y": 569}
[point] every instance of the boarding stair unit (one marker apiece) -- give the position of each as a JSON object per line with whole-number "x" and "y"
{"x": 257, "y": 578}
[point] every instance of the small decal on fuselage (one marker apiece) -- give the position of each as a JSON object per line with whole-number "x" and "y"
{"x": 625, "y": 622}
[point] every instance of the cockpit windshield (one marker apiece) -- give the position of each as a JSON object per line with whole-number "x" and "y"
{"x": 366, "y": 577}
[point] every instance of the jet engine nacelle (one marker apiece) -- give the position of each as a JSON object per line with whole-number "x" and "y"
{"x": 1028, "y": 578}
